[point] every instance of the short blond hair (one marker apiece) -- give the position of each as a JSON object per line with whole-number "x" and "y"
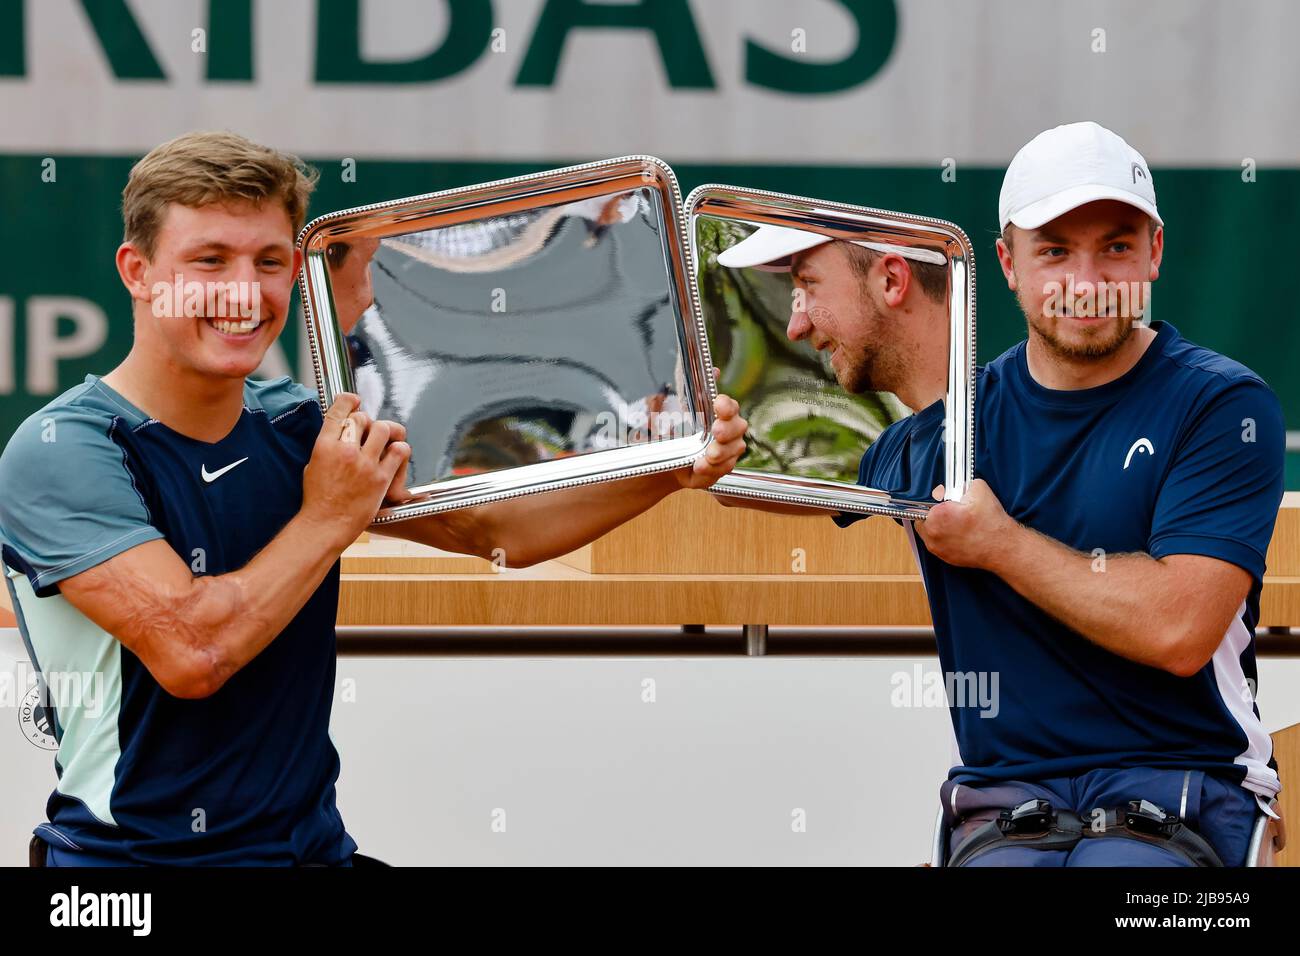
{"x": 214, "y": 166}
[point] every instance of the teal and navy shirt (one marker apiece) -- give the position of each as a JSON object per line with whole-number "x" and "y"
{"x": 1182, "y": 454}
{"x": 244, "y": 776}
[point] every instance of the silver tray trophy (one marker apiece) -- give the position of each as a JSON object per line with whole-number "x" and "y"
{"x": 822, "y": 361}
{"x": 554, "y": 330}
{"x": 531, "y": 334}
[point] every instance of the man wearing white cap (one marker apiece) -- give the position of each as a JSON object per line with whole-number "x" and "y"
{"x": 880, "y": 308}
{"x": 1106, "y": 563}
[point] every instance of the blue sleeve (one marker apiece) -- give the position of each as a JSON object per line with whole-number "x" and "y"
{"x": 68, "y": 501}
{"x": 280, "y": 394}
{"x": 846, "y": 518}
{"x": 1225, "y": 485}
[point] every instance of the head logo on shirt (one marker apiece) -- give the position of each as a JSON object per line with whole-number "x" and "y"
{"x": 1138, "y": 445}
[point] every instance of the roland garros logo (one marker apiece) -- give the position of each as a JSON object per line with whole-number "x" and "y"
{"x": 34, "y": 721}
{"x": 24, "y": 689}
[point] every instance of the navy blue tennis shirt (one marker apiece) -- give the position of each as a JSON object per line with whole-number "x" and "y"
{"x": 1182, "y": 454}
{"x": 245, "y": 776}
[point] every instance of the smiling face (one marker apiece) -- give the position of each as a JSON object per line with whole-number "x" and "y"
{"x": 833, "y": 309}
{"x": 236, "y": 264}
{"x": 1081, "y": 278}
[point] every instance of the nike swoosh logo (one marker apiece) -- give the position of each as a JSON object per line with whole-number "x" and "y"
{"x": 214, "y": 475}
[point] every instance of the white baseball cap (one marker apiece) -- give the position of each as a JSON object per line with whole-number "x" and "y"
{"x": 769, "y": 248}
{"x": 1062, "y": 168}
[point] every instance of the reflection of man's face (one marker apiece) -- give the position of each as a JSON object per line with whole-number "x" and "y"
{"x": 832, "y": 308}
{"x": 350, "y": 279}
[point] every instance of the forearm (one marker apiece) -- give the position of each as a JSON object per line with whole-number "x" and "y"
{"x": 773, "y": 507}
{"x": 1125, "y": 603}
{"x": 231, "y": 618}
{"x": 541, "y": 527}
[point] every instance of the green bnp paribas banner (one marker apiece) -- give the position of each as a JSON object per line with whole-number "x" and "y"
{"x": 915, "y": 106}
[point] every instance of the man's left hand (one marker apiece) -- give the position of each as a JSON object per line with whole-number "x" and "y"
{"x": 724, "y": 451}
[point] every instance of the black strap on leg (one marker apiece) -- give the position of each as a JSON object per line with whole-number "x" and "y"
{"x": 1151, "y": 823}
{"x": 1038, "y": 825}
{"x": 1034, "y": 823}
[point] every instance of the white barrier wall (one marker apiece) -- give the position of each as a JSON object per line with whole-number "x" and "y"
{"x": 582, "y": 769}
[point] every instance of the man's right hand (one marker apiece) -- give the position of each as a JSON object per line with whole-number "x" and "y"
{"x": 352, "y": 466}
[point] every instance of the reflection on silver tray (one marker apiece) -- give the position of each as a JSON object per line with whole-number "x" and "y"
{"x": 819, "y": 366}
{"x": 530, "y": 334}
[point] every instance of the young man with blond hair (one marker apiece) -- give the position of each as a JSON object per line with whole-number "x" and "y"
{"x": 172, "y": 531}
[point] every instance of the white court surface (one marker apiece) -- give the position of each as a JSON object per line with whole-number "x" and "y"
{"x": 737, "y": 761}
